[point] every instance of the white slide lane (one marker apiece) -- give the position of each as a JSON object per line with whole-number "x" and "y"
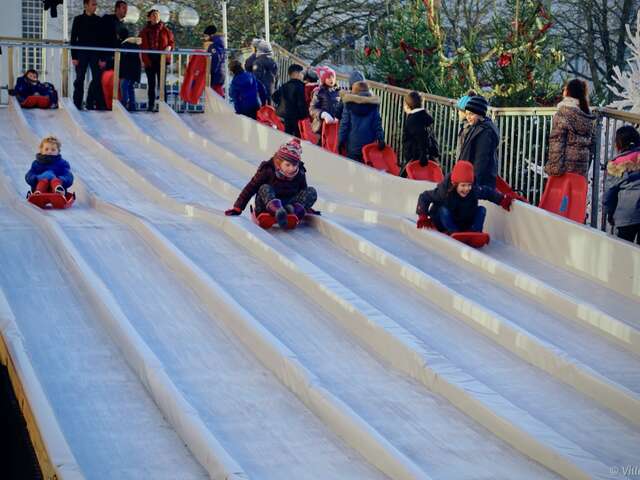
{"x": 345, "y": 306}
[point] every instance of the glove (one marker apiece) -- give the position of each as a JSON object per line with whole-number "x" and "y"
{"x": 233, "y": 212}
{"x": 48, "y": 175}
{"x": 326, "y": 116}
{"x": 381, "y": 145}
{"x": 424, "y": 221}
{"x": 507, "y": 200}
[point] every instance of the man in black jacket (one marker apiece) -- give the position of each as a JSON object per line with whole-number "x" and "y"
{"x": 112, "y": 24}
{"x": 86, "y": 31}
{"x": 290, "y": 100}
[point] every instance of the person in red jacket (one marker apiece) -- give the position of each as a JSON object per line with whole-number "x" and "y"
{"x": 155, "y": 36}
{"x": 280, "y": 186}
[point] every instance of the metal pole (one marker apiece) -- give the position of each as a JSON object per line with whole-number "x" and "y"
{"x": 266, "y": 20}
{"x": 225, "y": 32}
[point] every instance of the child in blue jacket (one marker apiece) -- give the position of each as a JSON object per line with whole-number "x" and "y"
{"x": 49, "y": 172}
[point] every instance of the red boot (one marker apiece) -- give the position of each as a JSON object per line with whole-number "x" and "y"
{"x": 56, "y": 186}
{"x": 41, "y": 187}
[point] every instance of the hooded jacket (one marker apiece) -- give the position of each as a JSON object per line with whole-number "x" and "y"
{"x": 571, "y": 140}
{"x": 156, "y": 37}
{"x": 360, "y": 124}
{"x": 418, "y": 142}
{"x": 246, "y": 92}
{"x": 266, "y": 175}
{"x": 218, "y": 59}
{"x": 59, "y": 166}
{"x": 463, "y": 209}
{"x": 324, "y": 99}
{"x": 622, "y": 198}
{"x": 480, "y": 147}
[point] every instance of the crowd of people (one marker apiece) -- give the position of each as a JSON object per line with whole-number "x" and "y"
{"x": 314, "y": 94}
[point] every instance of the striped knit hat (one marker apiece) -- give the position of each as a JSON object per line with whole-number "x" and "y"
{"x": 290, "y": 152}
{"x": 478, "y": 105}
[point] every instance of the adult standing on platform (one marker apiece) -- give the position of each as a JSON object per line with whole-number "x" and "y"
{"x": 86, "y": 31}
{"x": 112, "y": 24}
{"x": 155, "y": 36}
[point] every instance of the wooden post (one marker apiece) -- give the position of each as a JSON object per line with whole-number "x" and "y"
{"x": 208, "y": 73}
{"x": 10, "y": 73}
{"x": 163, "y": 75}
{"x": 64, "y": 68}
{"x": 116, "y": 77}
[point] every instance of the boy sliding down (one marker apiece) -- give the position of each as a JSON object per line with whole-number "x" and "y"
{"x": 453, "y": 205}
{"x": 280, "y": 186}
{"x": 49, "y": 172}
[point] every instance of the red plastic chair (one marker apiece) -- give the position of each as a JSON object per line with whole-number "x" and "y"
{"x": 431, "y": 172}
{"x": 566, "y": 195}
{"x": 330, "y": 136}
{"x": 36, "y": 101}
{"x": 306, "y": 133}
{"x": 267, "y": 115}
{"x": 386, "y": 159}
{"x": 504, "y": 188}
{"x": 195, "y": 78}
{"x": 107, "y": 88}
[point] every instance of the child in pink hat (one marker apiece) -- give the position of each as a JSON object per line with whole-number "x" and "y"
{"x": 280, "y": 186}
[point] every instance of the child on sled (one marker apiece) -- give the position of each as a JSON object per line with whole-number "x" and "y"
{"x": 452, "y": 206}
{"x": 280, "y": 186}
{"x": 49, "y": 172}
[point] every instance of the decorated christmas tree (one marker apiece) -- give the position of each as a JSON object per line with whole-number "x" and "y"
{"x": 627, "y": 84}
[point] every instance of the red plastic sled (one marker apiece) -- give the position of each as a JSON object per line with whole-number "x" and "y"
{"x": 107, "y": 88}
{"x": 268, "y": 116}
{"x": 36, "y": 101}
{"x": 566, "y": 195}
{"x": 473, "y": 239}
{"x": 266, "y": 220}
{"x": 330, "y": 136}
{"x": 195, "y": 78}
{"x": 504, "y": 188}
{"x": 52, "y": 200}
{"x": 431, "y": 173}
{"x": 381, "y": 159}
{"x": 306, "y": 133}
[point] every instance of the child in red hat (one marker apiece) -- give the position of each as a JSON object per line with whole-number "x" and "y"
{"x": 280, "y": 186}
{"x": 325, "y": 102}
{"x": 453, "y": 205}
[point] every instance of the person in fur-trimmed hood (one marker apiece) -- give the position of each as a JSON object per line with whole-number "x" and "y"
{"x": 572, "y": 132}
{"x": 622, "y": 198}
{"x": 361, "y": 123}
{"x": 280, "y": 186}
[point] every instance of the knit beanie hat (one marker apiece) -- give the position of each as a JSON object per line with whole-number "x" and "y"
{"x": 462, "y": 172}
{"x": 210, "y": 30}
{"x": 325, "y": 73}
{"x": 255, "y": 42}
{"x": 355, "y": 77}
{"x": 462, "y": 102}
{"x": 290, "y": 152}
{"x": 477, "y": 105}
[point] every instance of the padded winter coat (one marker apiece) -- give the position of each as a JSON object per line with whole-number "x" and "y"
{"x": 218, "y": 59}
{"x": 247, "y": 93}
{"x": 266, "y": 175}
{"x": 290, "y": 101}
{"x": 25, "y": 88}
{"x": 265, "y": 69}
{"x": 55, "y": 163}
{"x": 156, "y": 37}
{"x": 622, "y": 198}
{"x": 418, "y": 142}
{"x": 360, "y": 124}
{"x": 463, "y": 209}
{"x": 324, "y": 99}
{"x": 480, "y": 147}
{"x": 570, "y": 141}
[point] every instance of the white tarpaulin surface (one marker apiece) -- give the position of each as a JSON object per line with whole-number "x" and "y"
{"x": 195, "y": 345}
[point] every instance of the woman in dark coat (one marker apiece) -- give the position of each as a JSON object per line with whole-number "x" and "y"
{"x": 361, "y": 123}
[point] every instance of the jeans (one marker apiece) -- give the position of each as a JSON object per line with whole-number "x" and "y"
{"x": 266, "y": 193}
{"x": 95, "y": 99}
{"x": 631, "y": 233}
{"x": 153, "y": 79}
{"x": 445, "y": 221}
{"x": 128, "y": 94}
